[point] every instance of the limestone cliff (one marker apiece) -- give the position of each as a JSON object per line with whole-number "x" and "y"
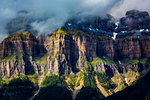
{"x": 68, "y": 52}
{"x": 133, "y": 47}
{"x": 15, "y": 53}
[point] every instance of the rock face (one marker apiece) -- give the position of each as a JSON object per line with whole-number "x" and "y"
{"x": 73, "y": 52}
{"x": 133, "y": 47}
{"x": 68, "y": 52}
{"x": 12, "y": 68}
{"x": 15, "y": 52}
{"x": 25, "y": 43}
{"x": 135, "y": 19}
{"x": 79, "y": 46}
{"x": 92, "y": 24}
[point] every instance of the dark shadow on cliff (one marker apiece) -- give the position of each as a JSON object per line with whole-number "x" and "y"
{"x": 88, "y": 93}
{"x": 29, "y": 68}
{"x": 54, "y": 93}
{"x": 37, "y": 50}
{"x": 53, "y": 88}
{"x": 90, "y": 90}
{"x": 74, "y": 55}
{"x": 17, "y": 89}
{"x": 139, "y": 91}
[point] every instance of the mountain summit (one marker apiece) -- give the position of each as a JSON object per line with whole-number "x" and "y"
{"x": 81, "y": 56}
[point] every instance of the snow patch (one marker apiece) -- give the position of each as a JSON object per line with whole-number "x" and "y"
{"x": 117, "y": 24}
{"x": 114, "y": 36}
{"x": 123, "y": 31}
{"x": 90, "y": 29}
{"x": 141, "y": 30}
{"x": 126, "y": 80}
{"x": 147, "y": 30}
{"x": 69, "y": 24}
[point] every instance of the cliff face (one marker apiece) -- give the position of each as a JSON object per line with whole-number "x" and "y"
{"x": 122, "y": 61}
{"x": 81, "y": 52}
{"x": 12, "y": 68}
{"x": 25, "y": 43}
{"x": 133, "y": 47}
{"x": 75, "y": 52}
{"x": 15, "y": 53}
{"x": 68, "y": 52}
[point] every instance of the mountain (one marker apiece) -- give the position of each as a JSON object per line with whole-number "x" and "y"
{"x": 80, "y": 58}
{"x": 138, "y": 91}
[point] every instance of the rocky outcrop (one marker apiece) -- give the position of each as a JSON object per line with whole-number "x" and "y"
{"x": 135, "y": 19}
{"x": 12, "y": 68}
{"x": 133, "y": 47}
{"x": 25, "y": 43}
{"x": 68, "y": 52}
{"x": 15, "y": 52}
{"x": 92, "y": 24}
{"x": 81, "y": 48}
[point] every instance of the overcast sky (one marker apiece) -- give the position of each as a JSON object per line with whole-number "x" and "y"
{"x": 56, "y": 12}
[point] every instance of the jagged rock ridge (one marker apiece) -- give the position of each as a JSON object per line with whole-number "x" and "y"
{"x": 78, "y": 48}
{"x": 71, "y": 51}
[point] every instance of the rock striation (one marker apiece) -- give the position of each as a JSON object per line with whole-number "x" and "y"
{"x": 78, "y": 46}
{"x": 68, "y": 52}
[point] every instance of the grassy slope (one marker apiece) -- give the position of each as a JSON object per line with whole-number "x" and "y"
{"x": 53, "y": 88}
{"x": 17, "y": 89}
{"x": 139, "y": 91}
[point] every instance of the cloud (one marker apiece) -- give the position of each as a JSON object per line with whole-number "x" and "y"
{"x": 126, "y": 5}
{"x": 6, "y": 15}
{"x": 98, "y": 7}
{"x": 48, "y": 15}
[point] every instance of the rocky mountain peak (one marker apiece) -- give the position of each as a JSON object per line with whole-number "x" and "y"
{"x": 135, "y": 20}
{"x": 83, "y": 46}
{"x": 20, "y": 36}
{"x": 137, "y": 13}
{"x": 23, "y": 42}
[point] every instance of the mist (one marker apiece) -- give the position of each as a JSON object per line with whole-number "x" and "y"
{"x": 125, "y": 5}
{"x": 47, "y": 16}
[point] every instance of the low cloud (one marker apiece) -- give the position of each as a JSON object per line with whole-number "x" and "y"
{"x": 125, "y": 5}
{"x": 48, "y": 15}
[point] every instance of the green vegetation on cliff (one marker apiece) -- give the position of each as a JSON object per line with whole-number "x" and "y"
{"x": 105, "y": 81}
{"x": 71, "y": 33}
{"x": 61, "y": 31}
{"x": 120, "y": 82}
{"x": 131, "y": 77}
{"x": 40, "y": 61}
{"x": 54, "y": 88}
{"x": 53, "y": 80}
{"x": 133, "y": 62}
{"x": 16, "y": 56}
{"x": 17, "y": 89}
{"x": 90, "y": 90}
{"x": 73, "y": 82}
{"x": 103, "y": 60}
{"x": 133, "y": 38}
{"x": 19, "y": 36}
{"x": 139, "y": 91}
{"x": 89, "y": 80}
{"x": 80, "y": 33}
{"x": 96, "y": 61}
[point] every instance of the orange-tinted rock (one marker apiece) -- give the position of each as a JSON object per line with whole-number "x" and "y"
{"x": 69, "y": 52}
{"x": 129, "y": 49}
{"x": 25, "y": 43}
{"x": 145, "y": 46}
{"x": 133, "y": 47}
